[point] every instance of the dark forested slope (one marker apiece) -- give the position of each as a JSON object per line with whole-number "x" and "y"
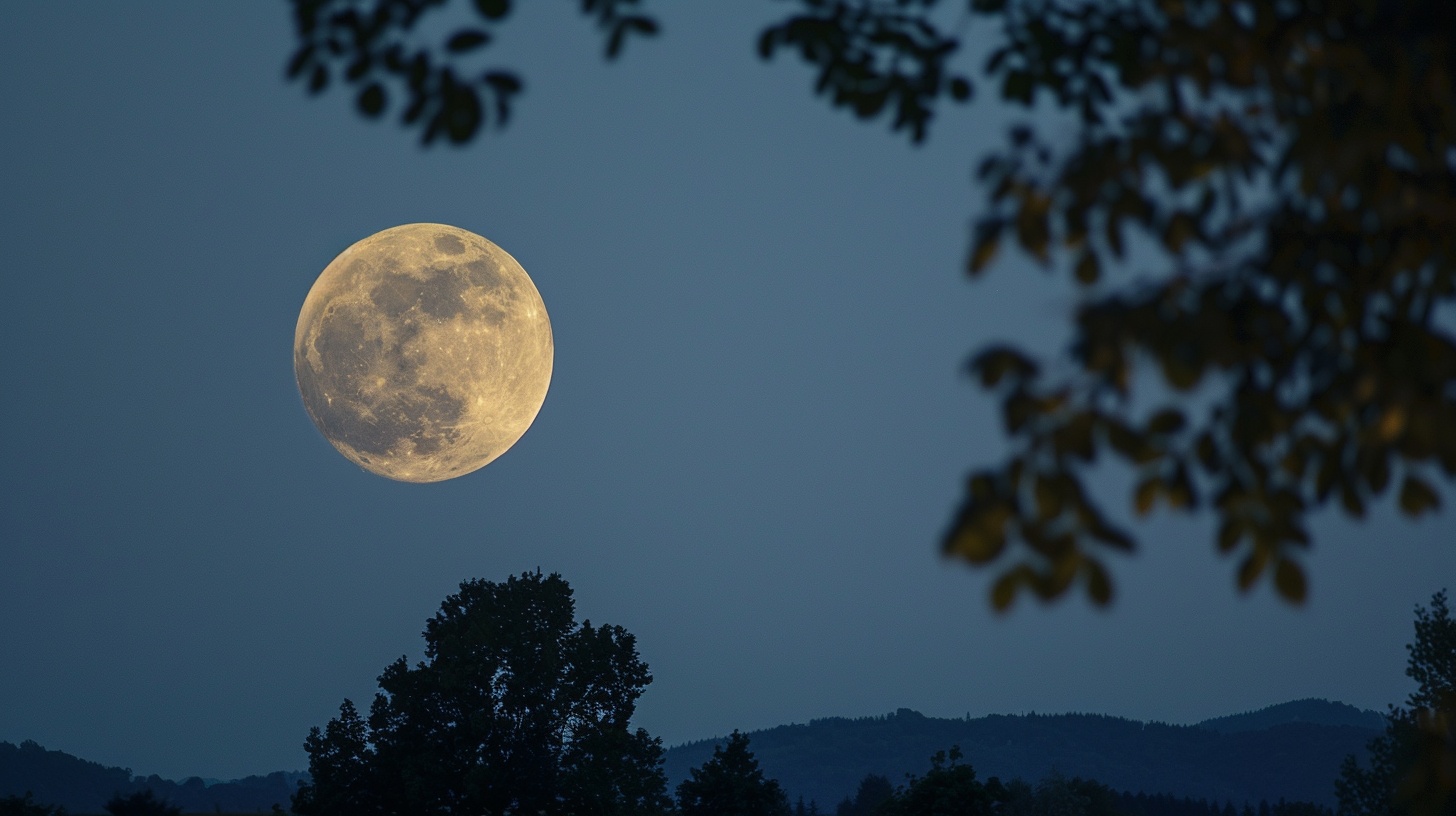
{"x": 826, "y": 759}
{"x": 1319, "y": 712}
{"x": 1291, "y": 752}
{"x": 57, "y": 778}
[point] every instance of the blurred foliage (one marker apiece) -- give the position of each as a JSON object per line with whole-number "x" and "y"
{"x": 1292, "y": 166}
{"x": 1411, "y": 769}
{"x": 375, "y": 47}
{"x": 1295, "y": 163}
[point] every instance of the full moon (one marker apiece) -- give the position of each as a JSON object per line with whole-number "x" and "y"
{"x": 423, "y": 352}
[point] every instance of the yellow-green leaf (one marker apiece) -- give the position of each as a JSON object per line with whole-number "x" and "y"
{"x": 985, "y": 249}
{"x": 980, "y": 535}
{"x": 1050, "y": 497}
{"x": 1147, "y": 493}
{"x": 1289, "y": 580}
{"x": 1003, "y": 592}
{"x": 1229, "y": 534}
{"x": 1099, "y": 585}
{"x": 1252, "y": 567}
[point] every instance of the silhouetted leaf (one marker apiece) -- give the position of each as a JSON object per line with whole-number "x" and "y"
{"x": 979, "y": 536}
{"x": 1099, "y": 585}
{"x": 469, "y": 40}
{"x": 988, "y": 237}
{"x": 461, "y": 114}
{"x": 1111, "y": 536}
{"x": 625, "y": 26}
{"x": 998, "y": 362}
{"x": 1003, "y": 591}
{"x": 1377, "y": 474}
{"x": 371, "y": 99}
{"x": 1252, "y": 567}
{"x": 1018, "y": 87}
{"x": 1289, "y": 580}
{"x": 358, "y": 68}
{"x": 1350, "y": 498}
{"x": 1167, "y": 421}
{"x": 1147, "y": 493}
{"x": 301, "y": 59}
{"x": 1088, "y": 269}
{"x": 1229, "y": 534}
{"x": 502, "y": 82}
{"x": 318, "y": 79}
{"x": 1416, "y": 497}
{"x": 493, "y": 9}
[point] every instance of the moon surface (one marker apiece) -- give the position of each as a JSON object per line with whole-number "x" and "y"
{"x": 423, "y": 352}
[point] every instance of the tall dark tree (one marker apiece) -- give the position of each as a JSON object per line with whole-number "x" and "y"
{"x": 731, "y": 784}
{"x": 1411, "y": 768}
{"x": 874, "y": 790}
{"x": 1289, "y": 168}
{"x": 949, "y": 787}
{"x": 515, "y": 709}
{"x": 143, "y": 803}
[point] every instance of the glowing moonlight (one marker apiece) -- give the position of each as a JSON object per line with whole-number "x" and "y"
{"x": 423, "y": 352}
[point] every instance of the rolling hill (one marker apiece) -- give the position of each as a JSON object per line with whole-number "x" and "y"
{"x": 1290, "y": 751}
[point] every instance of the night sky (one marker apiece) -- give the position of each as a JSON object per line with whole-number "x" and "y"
{"x": 756, "y": 432}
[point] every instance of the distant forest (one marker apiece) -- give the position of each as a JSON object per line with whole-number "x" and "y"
{"x": 82, "y": 787}
{"x": 1279, "y": 761}
{"x": 1290, "y": 751}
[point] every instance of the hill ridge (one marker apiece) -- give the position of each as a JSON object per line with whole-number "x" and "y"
{"x": 1281, "y": 751}
{"x": 1292, "y": 758}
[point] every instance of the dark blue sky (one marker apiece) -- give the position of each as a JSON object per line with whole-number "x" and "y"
{"x": 755, "y": 434}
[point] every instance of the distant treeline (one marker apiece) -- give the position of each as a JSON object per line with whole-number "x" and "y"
{"x": 1291, "y": 751}
{"x": 80, "y": 786}
{"x": 1288, "y": 753}
{"x": 1161, "y": 804}
{"x": 1054, "y": 796}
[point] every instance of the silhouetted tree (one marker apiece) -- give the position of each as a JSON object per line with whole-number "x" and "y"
{"x": 25, "y": 806}
{"x": 144, "y": 803}
{"x": 731, "y": 784}
{"x": 1283, "y": 808}
{"x": 948, "y": 788}
{"x": 1289, "y": 166}
{"x": 1056, "y": 795}
{"x": 1411, "y": 768}
{"x": 874, "y": 790}
{"x": 515, "y": 709}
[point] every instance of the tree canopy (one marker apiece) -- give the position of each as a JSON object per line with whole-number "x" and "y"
{"x": 142, "y": 803}
{"x": 26, "y": 806}
{"x": 874, "y": 790}
{"x": 731, "y": 784}
{"x": 1411, "y": 769}
{"x": 1290, "y": 168}
{"x": 516, "y": 708}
